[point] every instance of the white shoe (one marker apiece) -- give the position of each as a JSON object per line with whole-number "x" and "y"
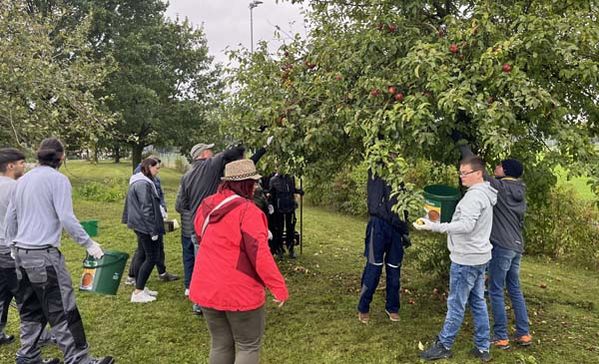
{"x": 186, "y": 292}
{"x": 150, "y": 292}
{"x": 141, "y": 297}
{"x": 130, "y": 281}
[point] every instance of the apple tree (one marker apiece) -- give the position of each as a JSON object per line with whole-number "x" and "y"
{"x": 388, "y": 81}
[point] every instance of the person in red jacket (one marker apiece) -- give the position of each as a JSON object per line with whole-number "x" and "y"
{"x": 233, "y": 266}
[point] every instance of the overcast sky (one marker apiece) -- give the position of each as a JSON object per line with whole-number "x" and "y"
{"x": 227, "y": 22}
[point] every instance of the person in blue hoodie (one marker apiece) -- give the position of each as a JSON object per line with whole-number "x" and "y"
{"x": 470, "y": 250}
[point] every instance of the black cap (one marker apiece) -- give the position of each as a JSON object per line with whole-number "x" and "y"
{"x": 512, "y": 168}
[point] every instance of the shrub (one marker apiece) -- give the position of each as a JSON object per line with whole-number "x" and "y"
{"x": 110, "y": 190}
{"x": 181, "y": 164}
{"x": 564, "y": 226}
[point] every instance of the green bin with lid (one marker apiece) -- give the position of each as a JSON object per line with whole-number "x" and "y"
{"x": 103, "y": 275}
{"x": 440, "y": 202}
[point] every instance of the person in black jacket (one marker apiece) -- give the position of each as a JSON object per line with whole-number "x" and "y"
{"x": 386, "y": 235}
{"x": 282, "y": 191}
{"x": 143, "y": 214}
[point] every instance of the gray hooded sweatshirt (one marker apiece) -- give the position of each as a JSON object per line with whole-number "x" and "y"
{"x": 470, "y": 227}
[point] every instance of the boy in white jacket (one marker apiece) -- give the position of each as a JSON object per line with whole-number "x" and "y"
{"x": 470, "y": 250}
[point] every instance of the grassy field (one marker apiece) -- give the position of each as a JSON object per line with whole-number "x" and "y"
{"x": 318, "y": 324}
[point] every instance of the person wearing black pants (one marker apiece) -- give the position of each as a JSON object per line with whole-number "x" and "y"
{"x": 282, "y": 192}
{"x": 143, "y": 215}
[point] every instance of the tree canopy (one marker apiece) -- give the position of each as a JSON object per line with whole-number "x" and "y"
{"x": 388, "y": 81}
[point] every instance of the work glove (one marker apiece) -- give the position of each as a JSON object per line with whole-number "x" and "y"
{"x": 154, "y": 237}
{"x": 269, "y": 140}
{"x": 95, "y": 250}
{"x": 271, "y": 209}
{"x": 424, "y": 224}
{"x": 269, "y": 235}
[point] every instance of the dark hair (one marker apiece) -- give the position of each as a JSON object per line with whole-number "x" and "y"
{"x": 146, "y": 164}
{"x": 9, "y": 155}
{"x": 243, "y": 188}
{"x": 50, "y": 152}
{"x": 512, "y": 168}
{"x": 474, "y": 161}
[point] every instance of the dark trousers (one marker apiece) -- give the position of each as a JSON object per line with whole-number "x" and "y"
{"x": 45, "y": 295}
{"x": 8, "y": 287}
{"x": 236, "y": 335}
{"x": 148, "y": 256}
{"x": 188, "y": 258}
{"x": 282, "y": 223}
{"x": 138, "y": 259}
{"x": 383, "y": 246}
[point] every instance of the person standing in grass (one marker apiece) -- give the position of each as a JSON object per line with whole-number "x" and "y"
{"x": 508, "y": 245}
{"x": 12, "y": 167}
{"x": 386, "y": 235}
{"x": 233, "y": 266}
{"x": 163, "y": 275}
{"x": 144, "y": 216}
{"x": 40, "y": 207}
{"x": 470, "y": 251}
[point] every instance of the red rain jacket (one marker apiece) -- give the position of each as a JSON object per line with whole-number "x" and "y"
{"x": 234, "y": 262}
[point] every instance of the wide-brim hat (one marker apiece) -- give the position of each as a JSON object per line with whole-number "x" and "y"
{"x": 241, "y": 170}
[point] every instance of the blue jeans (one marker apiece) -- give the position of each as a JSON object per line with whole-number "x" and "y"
{"x": 504, "y": 271}
{"x": 466, "y": 286}
{"x": 188, "y": 259}
{"x": 383, "y": 244}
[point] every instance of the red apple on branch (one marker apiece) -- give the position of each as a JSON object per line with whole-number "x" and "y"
{"x": 506, "y": 68}
{"x": 453, "y": 48}
{"x": 399, "y": 96}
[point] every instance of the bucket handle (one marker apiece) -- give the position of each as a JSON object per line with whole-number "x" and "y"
{"x": 120, "y": 257}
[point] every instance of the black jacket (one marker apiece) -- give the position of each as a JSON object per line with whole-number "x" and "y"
{"x": 142, "y": 207}
{"x": 282, "y": 190}
{"x": 380, "y": 203}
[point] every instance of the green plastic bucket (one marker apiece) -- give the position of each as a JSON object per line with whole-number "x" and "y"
{"x": 90, "y": 227}
{"x": 440, "y": 202}
{"x": 104, "y": 275}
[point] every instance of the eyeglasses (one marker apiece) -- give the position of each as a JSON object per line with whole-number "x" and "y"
{"x": 464, "y": 174}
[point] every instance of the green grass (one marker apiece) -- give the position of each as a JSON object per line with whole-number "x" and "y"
{"x": 580, "y": 184}
{"x": 318, "y": 324}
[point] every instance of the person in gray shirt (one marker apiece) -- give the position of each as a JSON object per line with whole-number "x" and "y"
{"x": 40, "y": 207}
{"x": 12, "y": 167}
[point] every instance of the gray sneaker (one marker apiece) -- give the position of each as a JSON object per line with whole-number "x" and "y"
{"x": 167, "y": 277}
{"x": 483, "y": 355}
{"x": 104, "y": 360}
{"x": 437, "y": 351}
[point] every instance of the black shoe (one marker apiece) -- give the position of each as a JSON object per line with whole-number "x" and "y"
{"x": 197, "y": 310}
{"x": 167, "y": 277}
{"x": 6, "y": 339}
{"x": 437, "y": 351}
{"x": 51, "y": 361}
{"x": 484, "y": 356}
{"x": 104, "y": 360}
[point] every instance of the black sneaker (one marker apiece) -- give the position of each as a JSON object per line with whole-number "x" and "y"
{"x": 483, "y": 355}
{"x": 437, "y": 351}
{"x": 104, "y": 360}
{"x": 167, "y": 277}
{"x": 6, "y": 339}
{"x": 51, "y": 361}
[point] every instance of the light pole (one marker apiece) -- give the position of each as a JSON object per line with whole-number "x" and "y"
{"x": 253, "y": 4}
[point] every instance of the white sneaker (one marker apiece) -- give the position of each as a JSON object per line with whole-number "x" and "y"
{"x": 141, "y": 297}
{"x": 130, "y": 281}
{"x": 150, "y": 292}
{"x": 186, "y": 292}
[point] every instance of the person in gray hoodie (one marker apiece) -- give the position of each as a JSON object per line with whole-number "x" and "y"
{"x": 508, "y": 246}
{"x": 470, "y": 251}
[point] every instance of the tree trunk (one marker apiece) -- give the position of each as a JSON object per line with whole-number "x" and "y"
{"x": 136, "y": 151}
{"x": 96, "y": 154}
{"x": 117, "y": 154}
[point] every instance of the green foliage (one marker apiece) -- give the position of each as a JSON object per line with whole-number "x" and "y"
{"x": 564, "y": 226}
{"x": 431, "y": 254}
{"x": 48, "y": 79}
{"x": 386, "y": 82}
{"x": 109, "y": 190}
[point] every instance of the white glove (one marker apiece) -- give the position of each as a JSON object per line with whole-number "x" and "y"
{"x": 95, "y": 250}
{"x": 154, "y": 237}
{"x": 424, "y": 224}
{"x": 271, "y": 209}
{"x": 269, "y": 140}
{"x": 269, "y": 235}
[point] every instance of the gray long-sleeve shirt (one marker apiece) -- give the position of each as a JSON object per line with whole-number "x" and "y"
{"x": 40, "y": 208}
{"x": 7, "y": 187}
